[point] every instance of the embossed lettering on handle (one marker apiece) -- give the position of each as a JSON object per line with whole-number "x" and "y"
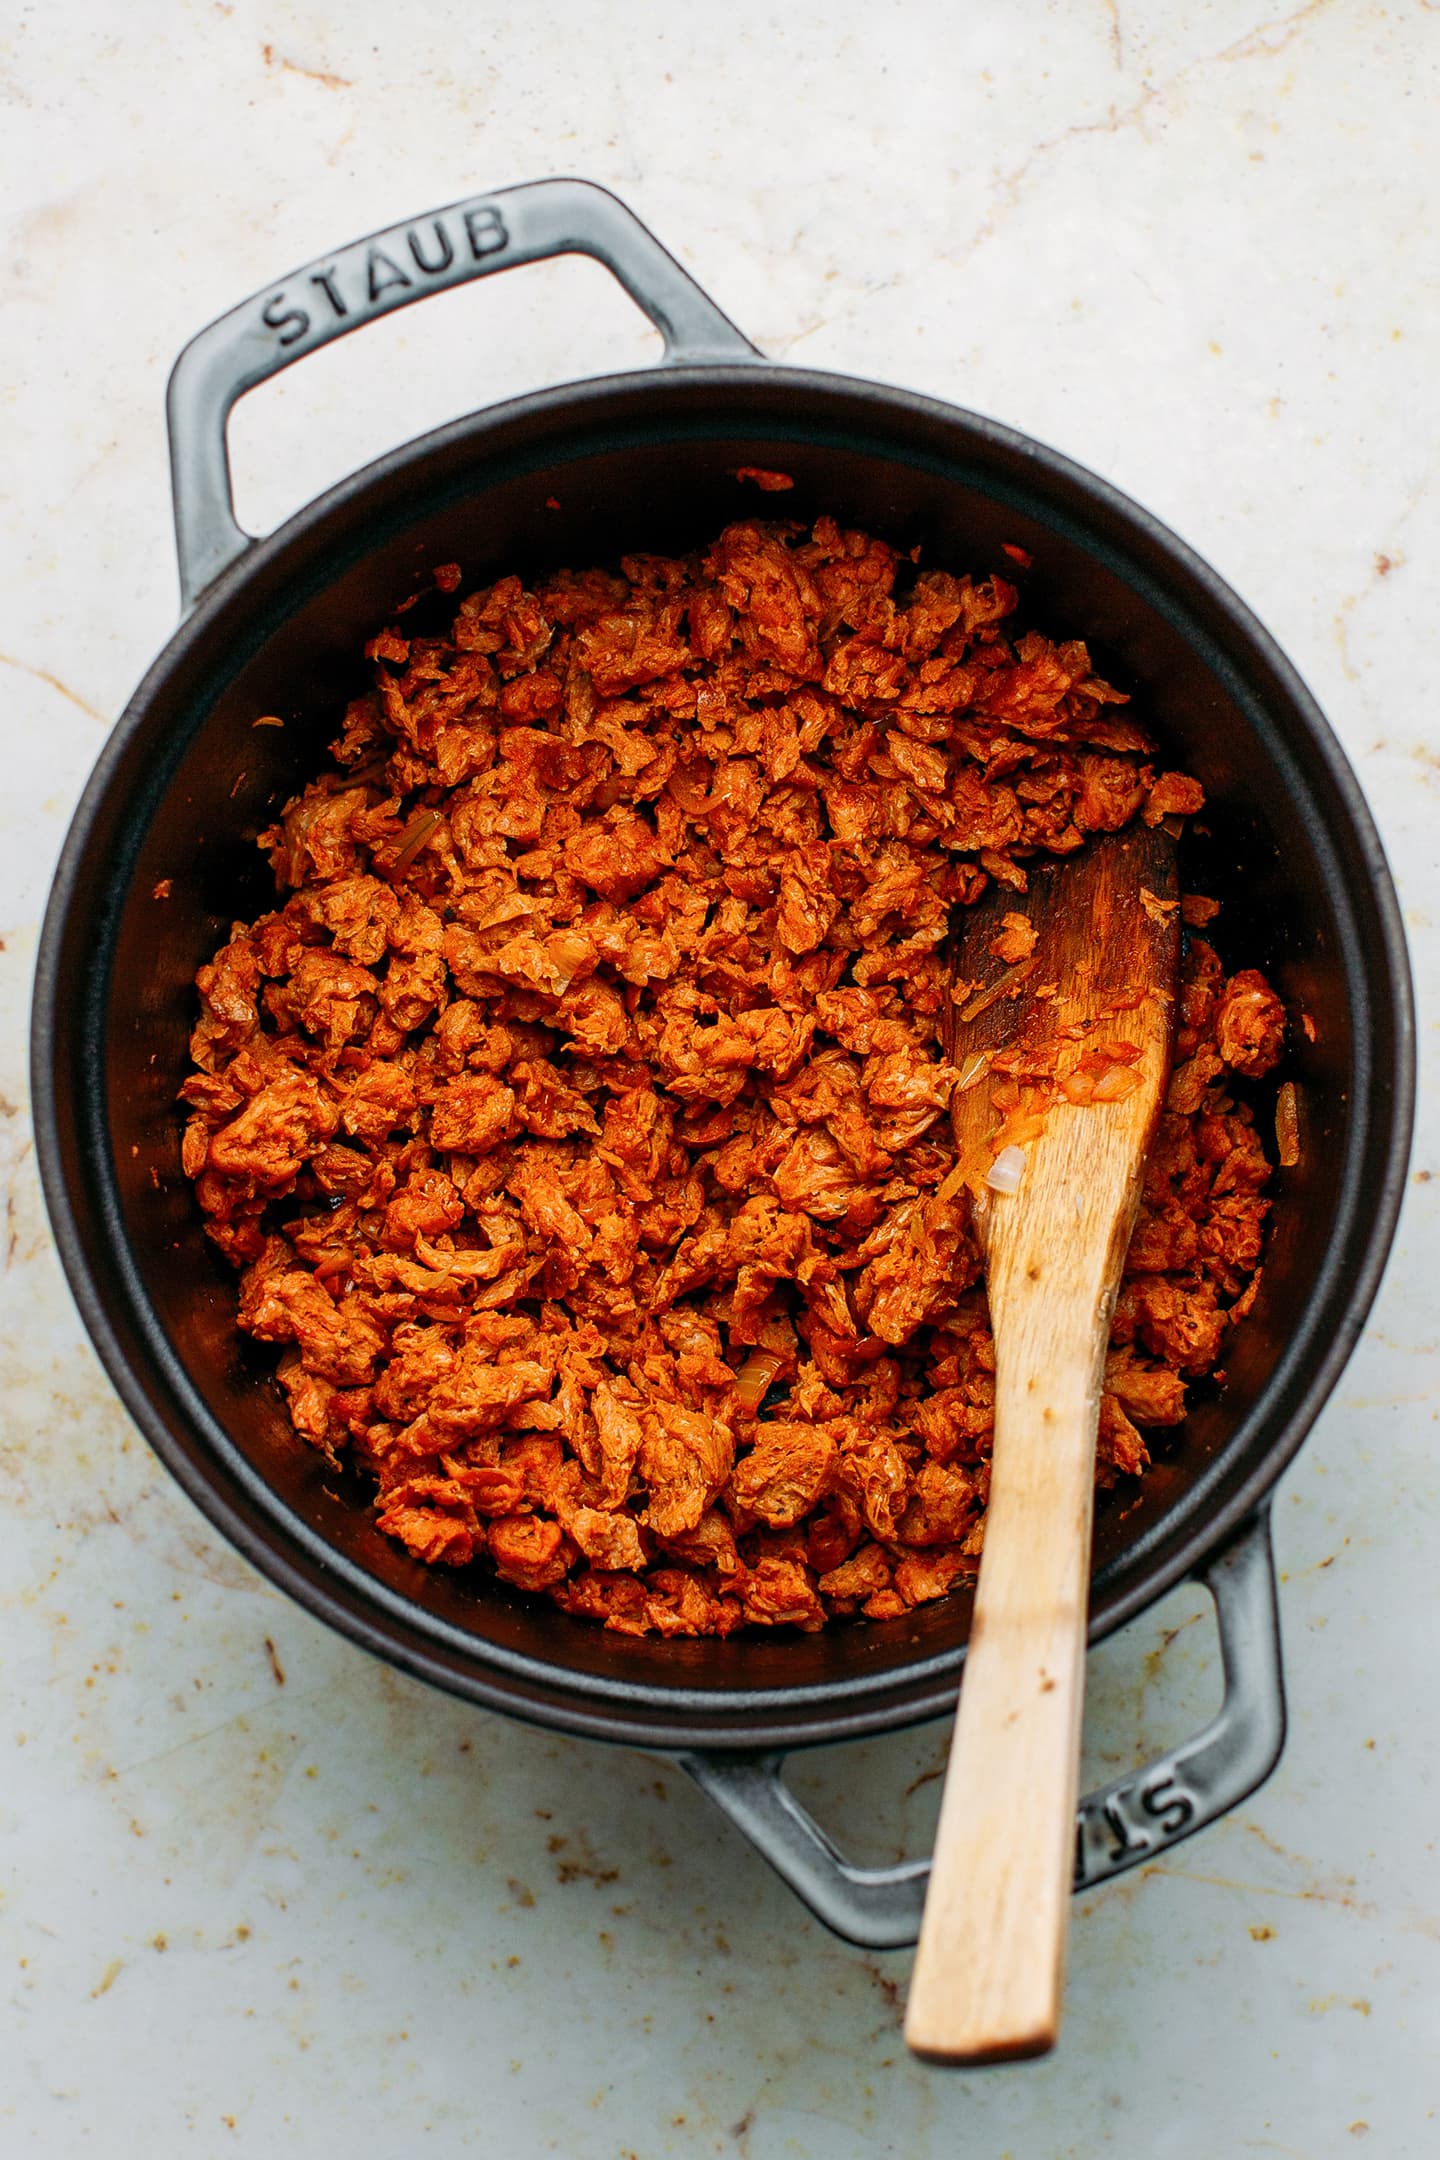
{"x": 376, "y": 275}
{"x": 392, "y": 269}
{"x": 1130, "y": 1820}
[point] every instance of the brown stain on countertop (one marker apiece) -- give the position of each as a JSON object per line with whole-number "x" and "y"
{"x": 323, "y": 76}
{"x": 1315, "y": 1894}
{"x": 931, "y": 1773}
{"x": 576, "y": 1860}
{"x": 1428, "y": 760}
{"x": 1283, "y": 1852}
{"x": 53, "y": 682}
{"x": 1153, "y": 1662}
{"x": 886, "y": 1986}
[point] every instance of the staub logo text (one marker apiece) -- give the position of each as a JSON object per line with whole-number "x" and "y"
{"x": 376, "y": 273}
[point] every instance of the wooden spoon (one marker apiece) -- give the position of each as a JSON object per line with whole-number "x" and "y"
{"x": 1098, "y": 988}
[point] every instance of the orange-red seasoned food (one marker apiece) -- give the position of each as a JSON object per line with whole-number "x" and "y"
{"x": 577, "y": 1119}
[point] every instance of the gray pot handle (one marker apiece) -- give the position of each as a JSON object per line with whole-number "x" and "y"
{"x": 388, "y": 270}
{"x": 1126, "y": 1822}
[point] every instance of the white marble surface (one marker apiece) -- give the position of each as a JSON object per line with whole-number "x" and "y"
{"x": 258, "y": 1894}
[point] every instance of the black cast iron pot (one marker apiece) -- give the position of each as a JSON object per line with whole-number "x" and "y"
{"x": 161, "y": 858}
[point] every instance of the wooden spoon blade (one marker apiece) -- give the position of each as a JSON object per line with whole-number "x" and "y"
{"x": 1056, "y": 993}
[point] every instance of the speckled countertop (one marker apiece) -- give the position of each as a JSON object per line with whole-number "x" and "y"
{"x": 257, "y": 1893}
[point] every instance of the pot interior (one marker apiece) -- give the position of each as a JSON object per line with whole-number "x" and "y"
{"x": 168, "y": 860}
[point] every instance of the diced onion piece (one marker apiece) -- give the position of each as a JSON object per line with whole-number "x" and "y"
{"x": 511, "y": 909}
{"x": 416, "y": 833}
{"x": 569, "y": 950}
{"x": 1115, "y": 1083}
{"x": 972, "y": 1072}
{"x": 1006, "y": 1171}
{"x": 568, "y": 954}
{"x": 1003, "y": 986}
{"x": 1287, "y": 1126}
{"x": 756, "y": 1376}
{"x": 954, "y": 1181}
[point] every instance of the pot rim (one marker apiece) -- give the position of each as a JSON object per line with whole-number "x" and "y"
{"x": 251, "y": 1514}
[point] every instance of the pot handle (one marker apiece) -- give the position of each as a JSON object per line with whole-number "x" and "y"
{"x": 1127, "y": 1821}
{"x": 390, "y": 269}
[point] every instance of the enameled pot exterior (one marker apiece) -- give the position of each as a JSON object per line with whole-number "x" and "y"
{"x": 160, "y": 859}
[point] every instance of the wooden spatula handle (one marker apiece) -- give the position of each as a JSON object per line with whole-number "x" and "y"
{"x": 987, "y": 1980}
